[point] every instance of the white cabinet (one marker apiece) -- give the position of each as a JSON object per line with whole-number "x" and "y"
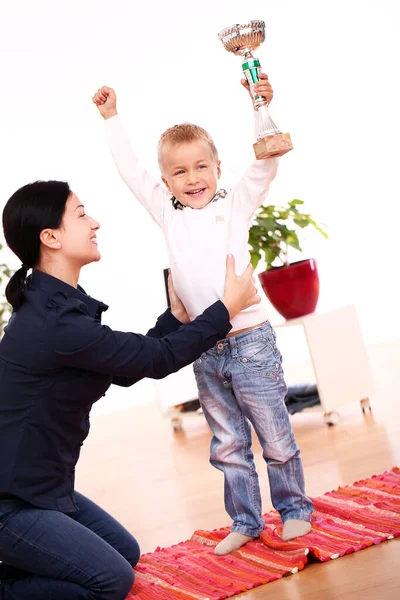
{"x": 339, "y": 359}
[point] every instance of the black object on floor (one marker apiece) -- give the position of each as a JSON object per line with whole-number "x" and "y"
{"x": 301, "y": 396}
{"x": 189, "y": 406}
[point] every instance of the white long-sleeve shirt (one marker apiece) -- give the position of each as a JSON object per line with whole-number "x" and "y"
{"x": 198, "y": 240}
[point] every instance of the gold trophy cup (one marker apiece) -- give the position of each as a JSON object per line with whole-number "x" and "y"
{"x": 242, "y": 40}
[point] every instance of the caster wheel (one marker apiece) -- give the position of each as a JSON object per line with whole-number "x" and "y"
{"x": 331, "y": 418}
{"x": 365, "y": 405}
{"x": 176, "y": 423}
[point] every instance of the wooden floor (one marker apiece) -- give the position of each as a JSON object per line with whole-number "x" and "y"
{"x": 161, "y": 486}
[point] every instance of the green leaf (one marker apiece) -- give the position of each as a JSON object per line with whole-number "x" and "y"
{"x": 5, "y": 308}
{"x": 275, "y": 228}
{"x": 301, "y": 221}
{"x": 255, "y": 258}
{"x": 267, "y": 222}
{"x": 294, "y": 244}
{"x": 270, "y": 256}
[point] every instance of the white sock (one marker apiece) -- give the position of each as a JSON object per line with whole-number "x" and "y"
{"x": 232, "y": 542}
{"x": 294, "y": 528}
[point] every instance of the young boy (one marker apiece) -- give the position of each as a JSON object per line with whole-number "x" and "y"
{"x": 241, "y": 380}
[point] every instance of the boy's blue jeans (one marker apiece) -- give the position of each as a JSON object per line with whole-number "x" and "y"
{"x": 48, "y": 555}
{"x": 241, "y": 380}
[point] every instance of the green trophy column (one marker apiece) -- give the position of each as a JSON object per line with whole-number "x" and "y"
{"x": 251, "y": 69}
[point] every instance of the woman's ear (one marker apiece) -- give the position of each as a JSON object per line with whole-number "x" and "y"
{"x": 49, "y": 238}
{"x": 219, "y": 169}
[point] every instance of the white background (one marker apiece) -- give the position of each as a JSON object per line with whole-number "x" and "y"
{"x": 334, "y": 69}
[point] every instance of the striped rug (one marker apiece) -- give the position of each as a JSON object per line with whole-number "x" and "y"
{"x": 344, "y": 521}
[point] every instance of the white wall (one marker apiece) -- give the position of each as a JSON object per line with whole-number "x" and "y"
{"x": 334, "y": 69}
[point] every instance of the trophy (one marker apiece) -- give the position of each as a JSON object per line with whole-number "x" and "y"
{"x": 242, "y": 39}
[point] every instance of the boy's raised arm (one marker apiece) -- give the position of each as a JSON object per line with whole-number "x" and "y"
{"x": 144, "y": 187}
{"x": 252, "y": 189}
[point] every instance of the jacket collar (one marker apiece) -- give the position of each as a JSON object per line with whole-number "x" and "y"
{"x": 51, "y": 286}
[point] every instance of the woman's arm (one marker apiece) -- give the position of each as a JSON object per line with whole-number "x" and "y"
{"x": 81, "y": 342}
{"x": 168, "y": 322}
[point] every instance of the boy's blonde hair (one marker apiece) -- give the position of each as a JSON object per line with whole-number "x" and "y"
{"x": 185, "y": 132}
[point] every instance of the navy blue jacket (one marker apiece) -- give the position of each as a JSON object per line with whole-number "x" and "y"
{"x": 56, "y": 360}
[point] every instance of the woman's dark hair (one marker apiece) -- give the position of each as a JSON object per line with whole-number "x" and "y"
{"x": 34, "y": 207}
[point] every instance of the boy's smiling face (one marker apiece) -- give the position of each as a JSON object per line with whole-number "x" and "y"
{"x": 191, "y": 173}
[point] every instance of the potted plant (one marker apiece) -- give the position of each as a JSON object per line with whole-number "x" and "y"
{"x": 5, "y": 274}
{"x": 292, "y": 288}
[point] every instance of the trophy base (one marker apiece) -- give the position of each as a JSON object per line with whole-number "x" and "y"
{"x": 273, "y": 145}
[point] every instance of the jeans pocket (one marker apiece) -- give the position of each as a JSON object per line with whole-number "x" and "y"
{"x": 257, "y": 354}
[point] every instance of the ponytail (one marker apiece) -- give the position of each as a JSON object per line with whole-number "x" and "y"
{"x": 32, "y": 208}
{"x": 16, "y": 286}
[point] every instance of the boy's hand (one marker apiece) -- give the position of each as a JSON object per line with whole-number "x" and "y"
{"x": 262, "y": 88}
{"x": 106, "y": 102}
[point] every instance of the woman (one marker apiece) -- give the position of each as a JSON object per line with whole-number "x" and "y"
{"x": 56, "y": 360}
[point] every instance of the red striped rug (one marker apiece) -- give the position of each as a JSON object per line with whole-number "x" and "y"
{"x": 346, "y": 520}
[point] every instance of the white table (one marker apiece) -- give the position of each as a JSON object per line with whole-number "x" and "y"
{"x": 339, "y": 359}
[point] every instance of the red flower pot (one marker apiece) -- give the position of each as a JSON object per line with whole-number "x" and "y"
{"x": 292, "y": 290}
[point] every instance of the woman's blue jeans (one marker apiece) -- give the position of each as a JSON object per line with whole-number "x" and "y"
{"x": 48, "y": 555}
